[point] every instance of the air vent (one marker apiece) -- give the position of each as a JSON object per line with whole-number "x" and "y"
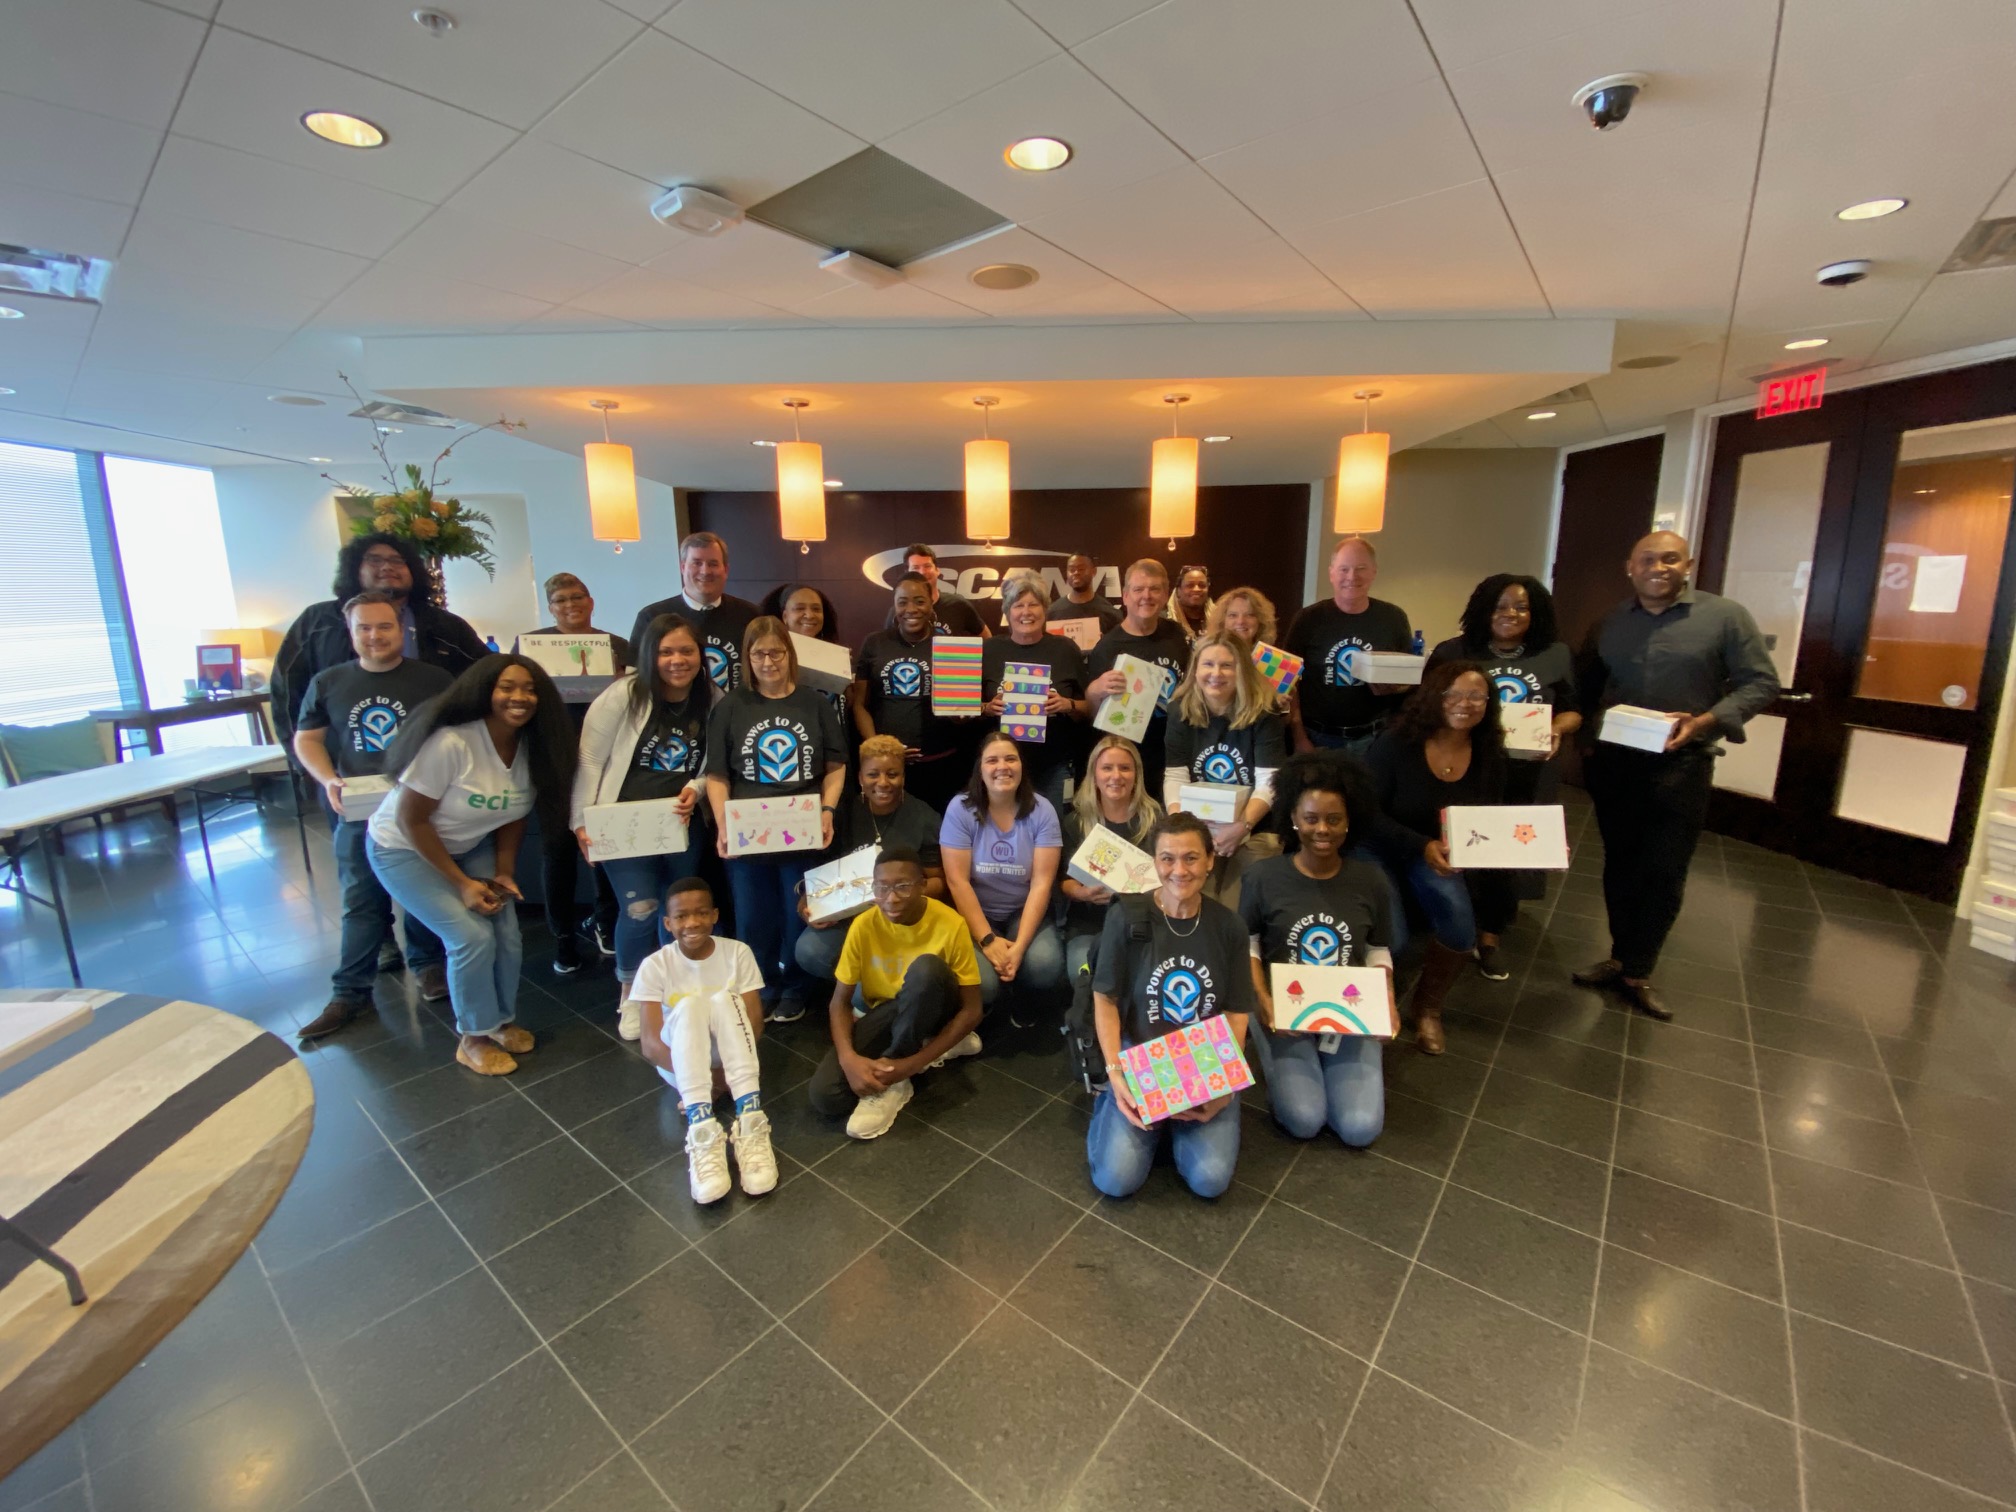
{"x": 1989, "y": 244}
{"x": 879, "y": 206}
{"x": 52, "y": 275}
{"x": 1579, "y": 394}
{"x": 381, "y": 412}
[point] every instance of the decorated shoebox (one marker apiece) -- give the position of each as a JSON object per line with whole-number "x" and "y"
{"x": 1025, "y": 700}
{"x": 1279, "y": 669}
{"x": 1082, "y": 633}
{"x": 1332, "y": 1000}
{"x": 1213, "y": 802}
{"x": 1529, "y": 730}
{"x": 1389, "y": 667}
{"x": 1128, "y": 712}
{"x": 843, "y": 888}
{"x": 362, "y": 795}
{"x": 955, "y": 676}
{"x": 1105, "y": 860}
{"x": 761, "y": 826}
{"x": 1185, "y": 1070}
{"x": 1506, "y": 836}
{"x": 2002, "y": 845}
{"x": 823, "y": 665}
{"x": 618, "y": 831}
{"x": 1994, "y": 892}
{"x": 570, "y": 655}
{"x": 1642, "y": 729}
{"x": 2003, "y": 801}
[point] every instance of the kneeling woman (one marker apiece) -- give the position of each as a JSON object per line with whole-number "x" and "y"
{"x": 472, "y": 764}
{"x": 1314, "y": 907}
{"x": 999, "y": 845}
{"x": 1185, "y": 962}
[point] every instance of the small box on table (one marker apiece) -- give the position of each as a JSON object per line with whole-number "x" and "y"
{"x": 1529, "y": 730}
{"x": 1641, "y": 729}
{"x": 1105, "y": 860}
{"x": 1332, "y": 1000}
{"x": 764, "y": 826}
{"x": 1506, "y": 837}
{"x": 1185, "y": 1070}
{"x": 823, "y": 665}
{"x": 843, "y": 888}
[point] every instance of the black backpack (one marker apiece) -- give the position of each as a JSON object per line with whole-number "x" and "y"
{"x": 1081, "y": 1035}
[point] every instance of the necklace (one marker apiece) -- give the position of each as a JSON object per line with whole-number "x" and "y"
{"x": 1170, "y": 919}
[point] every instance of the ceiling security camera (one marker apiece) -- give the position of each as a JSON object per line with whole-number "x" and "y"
{"x": 1840, "y": 275}
{"x": 1608, "y": 100}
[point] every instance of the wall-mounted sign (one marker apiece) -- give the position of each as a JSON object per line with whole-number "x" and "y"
{"x": 1789, "y": 393}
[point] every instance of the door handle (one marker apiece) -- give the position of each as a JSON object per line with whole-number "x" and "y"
{"x": 1795, "y": 698}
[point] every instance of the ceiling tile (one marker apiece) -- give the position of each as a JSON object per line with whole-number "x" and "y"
{"x": 204, "y": 8}
{"x": 250, "y": 94}
{"x": 1317, "y": 303}
{"x": 568, "y": 320}
{"x": 118, "y": 58}
{"x": 509, "y": 60}
{"x": 1674, "y": 265}
{"x": 452, "y": 244}
{"x": 1075, "y": 21}
{"x": 1377, "y": 150}
{"x": 256, "y": 193}
{"x": 52, "y": 222}
{"x": 904, "y": 304}
{"x": 872, "y": 66}
{"x": 1956, "y": 310}
{"x": 754, "y": 261}
{"x": 1465, "y": 32}
{"x": 1111, "y": 144}
{"x": 106, "y": 394}
{"x": 52, "y": 337}
{"x": 648, "y": 297}
{"x": 1214, "y": 75}
{"x": 312, "y": 361}
{"x": 1153, "y": 224}
{"x": 1847, "y": 46}
{"x": 664, "y": 112}
{"x": 74, "y": 151}
{"x": 1268, "y": 272}
{"x": 169, "y": 256}
{"x": 645, "y": 10}
{"x": 199, "y": 337}
{"x": 398, "y": 301}
{"x": 1476, "y": 267}
{"x": 537, "y": 186}
{"x": 1064, "y": 283}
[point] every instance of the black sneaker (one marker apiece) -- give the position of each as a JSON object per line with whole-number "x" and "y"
{"x": 566, "y": 957}
{"x": 1490, "y": 965}
{"x": 789, "y": 1010}
{"x": 604, "y": 944}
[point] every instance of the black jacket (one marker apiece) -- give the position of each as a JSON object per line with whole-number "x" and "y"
{"x": 319, "y": 639}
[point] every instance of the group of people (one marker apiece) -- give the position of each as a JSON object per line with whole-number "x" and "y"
{"x": 1332, "y": 854}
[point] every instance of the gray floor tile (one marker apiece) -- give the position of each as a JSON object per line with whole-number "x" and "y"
{"x": 1540, "y": 1178}
{"x": 992, "y": 1225}
{"x": 1546, "y": 1112}
{"x": 1111, "y": 1296}
{"x": 794, "y": 1241}
{"x": 504, "y": 1205}
{"x": 1884, "y": 1214}
{"x": 894, "y": 1470}
{"x": 1472, "y": 1469}
{"x": 1865, "y": 1094}
{"x": 1729, "y": 1244}
{"x": 1726, "y": 1340}
{"x": 900, "y": 1172}
{"x": 1580, "y": 1068}
{"x": 1364, "y": 1192}
{"x": 974, "y": 1103}
{"x": 619, "y": 1486}
{"x": 1712, "y": 1164}
{"x": 1154, "y": 1462}
{"x": 1049, "y": 1149}
{"x": 322, "y": 1209}
{"x": 1690, "y": 1050}
{"x": 342, "y": 1290}
{"x": 1871, "y": 1146}
{"x": 633, "y": 1138}
{"x": 1515, "y": 1256}
{"x": 582, "y": 1260}
{"x": 575, "y": 1094}
{"x": 1918, "y": 1306}
{"x": 1983, "y": 1239}
{"x": 1840, "y": 1478}
{"x": 1702, "y": 1101}
{"x": 1968, "y": 1170}
{"x": 891, "y": 1318}
{"x": 1331, "y": 1282}
{"x": 448, "y": 1154}
{"x": 1167, "y": 1214}
{"x": 1995, "y": 1311}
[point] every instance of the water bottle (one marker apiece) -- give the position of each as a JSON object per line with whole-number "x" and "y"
{"x": 1420, "y": 644}
{"x": 491, "y": 641}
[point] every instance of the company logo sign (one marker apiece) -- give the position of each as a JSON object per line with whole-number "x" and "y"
{"x": 974, "y": 572}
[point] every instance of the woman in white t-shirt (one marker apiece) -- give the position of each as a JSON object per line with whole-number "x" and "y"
{"x": 472, "y": 764}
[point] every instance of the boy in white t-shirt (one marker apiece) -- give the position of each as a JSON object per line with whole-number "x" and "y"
{"x": 698, "y": 1003}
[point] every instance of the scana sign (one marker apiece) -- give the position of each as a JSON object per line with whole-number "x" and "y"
{"x": 1789, "y": 393}
{"x": 976, "y": 572}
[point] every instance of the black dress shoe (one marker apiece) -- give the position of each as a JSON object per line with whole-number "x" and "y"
{"x": 1604, "y": 973}
{"x": 1642, "y": 999}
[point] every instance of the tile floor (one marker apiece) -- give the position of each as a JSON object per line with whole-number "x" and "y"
{"x": 1763, "y": 1257}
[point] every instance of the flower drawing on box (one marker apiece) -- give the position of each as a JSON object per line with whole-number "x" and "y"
{"x": 1332, "y": 1018}
{"x": 1216, "y": 1082}
{"x": 1477, "y": 837}
{"x": 1158, "y": 1051}
{"x": 1525, "y": 834}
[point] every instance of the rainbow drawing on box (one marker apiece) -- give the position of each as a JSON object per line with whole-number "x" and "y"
{"x": 1306, "y": 1017}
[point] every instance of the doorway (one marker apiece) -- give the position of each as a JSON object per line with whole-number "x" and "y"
{"x": 1869, "y": 539}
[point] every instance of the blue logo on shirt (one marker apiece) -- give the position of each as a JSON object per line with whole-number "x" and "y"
{"x": 670, "y": 755}
{"x": 906, "y": 679}
{"x": 1181, "y": 993}
{"x": 1319, "y": 946}
{"x": 1341, "y": 667}
{"x": 1220, "y": 766}
{"x": 1511, "y": 690}
{"x": 376, "y": 727}
{"x": 777, "y": 756}
{"x": 717, "y": 666}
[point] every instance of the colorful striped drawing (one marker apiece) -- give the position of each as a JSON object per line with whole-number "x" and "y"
{"x": 955, "y": 675}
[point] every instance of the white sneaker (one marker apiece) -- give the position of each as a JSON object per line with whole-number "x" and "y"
{"x": 630, "y": 1021}
{"x": 967, "y": 1046}
{"x": 707, "y": 1160}
{"x": 873, "y": 1115}
{"x": 753, "y": 1155}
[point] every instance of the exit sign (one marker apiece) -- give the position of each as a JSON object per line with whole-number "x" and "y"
{"x": 1789, "y": 393}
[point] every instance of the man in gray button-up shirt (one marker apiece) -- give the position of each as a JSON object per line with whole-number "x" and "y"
{"x": 1682, "y": 652}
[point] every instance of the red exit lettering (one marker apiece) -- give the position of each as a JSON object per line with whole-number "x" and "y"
{"x": 1790, "y": 393}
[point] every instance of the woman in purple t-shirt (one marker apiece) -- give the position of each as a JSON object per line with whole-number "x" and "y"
{"x": 1001, "y": 845}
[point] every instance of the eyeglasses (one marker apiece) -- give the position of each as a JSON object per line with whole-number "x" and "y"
{"x": 1467, "y": 700}
{"x": 384, "y": 559}
{"x": 772, "y": 653}
{"x": 895, "y": 889}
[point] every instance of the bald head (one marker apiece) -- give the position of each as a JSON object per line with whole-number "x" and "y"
{"x": 1659, "y": 566}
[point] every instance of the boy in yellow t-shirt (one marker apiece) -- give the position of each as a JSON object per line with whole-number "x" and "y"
{"x": 912, "y": 959}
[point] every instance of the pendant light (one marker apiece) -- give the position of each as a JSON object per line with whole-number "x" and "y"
{"x": 1361, "y": 476}
{"x": 1172, "y": 479}
{"x": 801, "y": 485}
{"x": 987, "y": 482}
{"x": 612, "y": 484}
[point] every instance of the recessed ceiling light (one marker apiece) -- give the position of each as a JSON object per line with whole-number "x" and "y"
{"x": 1038, "y": 154}
{"x": 304, "y": 401}
{"x": 834, "y": 483}
{"x": 343, "y": 130}
{"x": 320, "y": 459}
{"x": 1543, "y": 415}
{"x": 1003, "y": 276}
{"x": 1214, "y": 440}
{"x": 1871, "y": 209}
{"x": 8, "y": 312}
{"x": 762, "y": 443}
{"x": 1638, "y": 364}
{"x": 1805, "y": 342}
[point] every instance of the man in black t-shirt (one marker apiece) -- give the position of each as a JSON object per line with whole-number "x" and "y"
{"x": 1147, "y": 636}
{"x": 704, "y": 602}
{"x": 1081, "y": 572}
{"x": 892, "y": 696}
{"x": 950, "y": 613}
{"x": 1332, "y": 705}
{"x": 348, "y": 715}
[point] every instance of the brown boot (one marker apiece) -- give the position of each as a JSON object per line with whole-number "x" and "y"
{"x": 339, "y": 1012}
{"x": 1438, "y": 973}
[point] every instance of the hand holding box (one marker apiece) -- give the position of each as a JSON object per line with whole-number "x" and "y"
{"x": 1213, "y": 802}
{"x": 362, "y": 795}
{"x": 1128, "y": 712}
{"x": 1185, "y": 1070}
{"x": 955, "y": 676}
{"x": 1641, "y": 729}
{"x": 843, "y": 888}
{"x": 823, "y": 665}
{"x": 764, "y": 826}
{"x": 1529, "y": 730}
{"x": 1105, "y": 860}
{"x": 1389, "y": 667}
{"x": 1025, "y": 702}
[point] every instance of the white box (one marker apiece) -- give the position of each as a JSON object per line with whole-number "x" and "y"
{"x": 1994, "y": 942}
{"x": 1213, "y": 802}
{"x": 1128, "y": 712}
{"x": 843, "y": 888}
{"x": 1529, "y": 730}
{"x": 1641, "y": 729}
{"x": 571, "y": 655}
{"x": 27, "y": 1028}
{"x": 1084, "y": 633}
{"x": 1506, "y": 836}
{"x": 823, "y": 665}
{"x": 1105, "y": 860}
{"x": 1995, "y": 893}
{"x": 2003, "y": 801}
{"x": 1332, "y": 1000}
{"x": 617, "y": 831}
{"x": 1389, "y": 666}
{"x": 362, "y": 795}
{"x": 764, "y": 826}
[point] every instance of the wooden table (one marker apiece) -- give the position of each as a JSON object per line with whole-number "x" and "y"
{"x": 146, "y": 1147}
{"x": 149, "y": 721}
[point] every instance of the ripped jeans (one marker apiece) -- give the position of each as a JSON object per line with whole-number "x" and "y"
{"x": 640, "y": 883}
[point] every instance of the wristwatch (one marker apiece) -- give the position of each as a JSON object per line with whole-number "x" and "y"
{"x": 827, "y": 808}
{"x": 988, "y": 939}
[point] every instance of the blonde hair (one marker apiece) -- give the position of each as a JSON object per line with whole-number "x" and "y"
{"x": 1252, "y": 699}
{"x": 1142, "y": 810}
{"x": 883, "y": 745}
{"x": 1263, "y": 611}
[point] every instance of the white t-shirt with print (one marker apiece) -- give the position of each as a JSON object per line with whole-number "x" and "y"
{"x": 459, "y": 767}
{"x": 669, "y": 974}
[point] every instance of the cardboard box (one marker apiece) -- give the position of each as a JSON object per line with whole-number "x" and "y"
{"x": 570, "y": 655}
{"x": 955, "y": 676}
{"x": 1213, "y": 802}
{"x": 823, "y": 665}
{"x": 1507, "y": 836}
{"x": 1278, "y": 669}
{"x": 1025, "y": 697}
{"x": 1641, "y": 729}
{"x": 1129, "y": 712}
{"x": 1105, "y": 860}
{"x": 843, "y": 888}
{"x": 1333, "y": 1000}
{"x": 617, "y": 831}
{"x": 1529, "y": 730}
{"x": 362, "y": 795}
{"x": 1083, "y": 633}
{"x": 764, "y": 826}
{"x": 1389, "y": 667}
{"x": 1185, "y": 1070}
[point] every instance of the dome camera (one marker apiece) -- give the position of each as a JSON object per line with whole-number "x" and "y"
{"x": 1841, "y": 274}
{"x": 1608, "y": 100}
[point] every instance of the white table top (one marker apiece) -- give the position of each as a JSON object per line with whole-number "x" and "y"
{"x": 50, "y": 800}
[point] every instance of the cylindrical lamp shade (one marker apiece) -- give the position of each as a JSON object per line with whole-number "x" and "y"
{"x": 612, "y": 492}
{"x": 801, "y": 491}
{"x": 1361, "y": 483}
{"x": 987, "y": 490}
{"x": 1172, "y": 488}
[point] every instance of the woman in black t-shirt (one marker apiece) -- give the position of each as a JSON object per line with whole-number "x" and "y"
{"x": 1314, "y": 906}
{"x": 1224, "y": 731}
{"x": 1025, "y": 608}
{"x": 1113, "y": 796}
{"x": 1444, "y": 749}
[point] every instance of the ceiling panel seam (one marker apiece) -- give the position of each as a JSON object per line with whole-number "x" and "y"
{"x": 1925, "y": 287}
{"x": 1750, "y": 210}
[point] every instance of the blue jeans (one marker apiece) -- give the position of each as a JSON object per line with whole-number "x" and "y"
{"x": 640, "y": 883}
{"x": 765, "y": 889}
{"x": 818, "y": 952}
{"x": 1396, "y": 905}
{"x": 367, "y": 917}
{"x": 1041, "y": 975}
{"x": 1446, "y": 900}
{"x": 483, "y": 952}
{"x": 1344, "y": 1088}
{"x": 1121, "y": 1154}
